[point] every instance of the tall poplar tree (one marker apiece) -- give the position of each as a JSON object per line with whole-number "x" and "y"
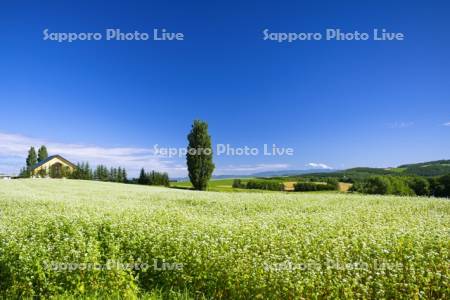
{"x": 42, "y": 154}
{"x": 143, "y": 179}
{"x": 199, "y": 155}
{"x": 31, "y": 158}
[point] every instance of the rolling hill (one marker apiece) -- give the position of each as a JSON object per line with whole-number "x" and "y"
{"x": 427, "y": 169}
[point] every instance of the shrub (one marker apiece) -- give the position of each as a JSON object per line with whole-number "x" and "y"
{"x": 314, "y": 186}
{"x": 82, "y": 171}
{"x": 153, "y": 178}
{"x": 399, "y": 186}
{"x": 419, "y": 185}
{"x": 440, "y": 186}
{"x": 384, "y": 185}
{"x": 238, "y": 184}
{"x": 42, "y": 173}
{"x": 377, "y": 185}
{"x": 271, "y": 185}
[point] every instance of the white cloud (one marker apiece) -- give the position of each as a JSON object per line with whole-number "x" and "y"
{"x": 248, "y": 169}
{"x": 446, "y": 124}
{"x": 14, "y": 148}
{"x": 318, "y": 166}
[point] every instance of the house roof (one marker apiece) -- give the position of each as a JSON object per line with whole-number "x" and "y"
{"x": 50, "y": 158}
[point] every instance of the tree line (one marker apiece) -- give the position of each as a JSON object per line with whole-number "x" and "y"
{"x": 404, "y": 186}
{"x": 200, "y": 165}
{"x": 84, "y": 171}
{"x": 259, "y": 184}
{"x": 32, "y": 159}
{"x": 153, "y": 178}
{"x": 302, "y": 186}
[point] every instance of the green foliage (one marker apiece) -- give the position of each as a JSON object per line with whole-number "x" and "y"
{"x": 82, "y": 171}
{"x": 124, "y": 175}
{"x": 55, "y": 171}
{"x": 238, "y": 184}
{"x": 431, "y": 168}
{"x": 231, "y": 245}
{"x": 216, "y": 185}
{"x": 153, "y": 178}
{"x": 262, "y": 184}
{"x": 43, "y": 173}
{"x": 400, "y": 186}
{"x": 386, "y": 185}
{"x": 354, "y": 175}
{"x": 157, "y": 178}
{"x": 143, "y": 179}
{"x": 440, "y": 186}
{"x": 31, "y": 158}
{"x": 101, "y": 173}
{"x": 404, "y": 186}
{"x": 199, "y": 155}
{"x": 42, "y": 154}
{"x": 315, "y": 186}
{"x": 25, "y": 173}
{"x": 59, "y": 171}
{"x": 373, "y": 185}
{"x": 420, "y": 185}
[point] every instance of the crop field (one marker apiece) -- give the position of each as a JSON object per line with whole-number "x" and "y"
{"x": 84, "y": 238}
{"x": 216, "y": 185}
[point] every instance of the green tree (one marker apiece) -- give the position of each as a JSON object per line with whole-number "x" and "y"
{"x": 119, "y": 175}
{"x": 440, "y": 186}
{"x": 42, "y": 153}
{"x": 199, "y": 155}
{"x": 24, "y": 173}
{"x": 112, "y": 174}
{"x": 30, "y": 162}
{"x": 101, "y": 173}
{"x": 399, "y": 186}
{"x": 87, "y": 172}
{"x": 82, "y": 171}
{"x": 43, "y": 173}
{"x": 32, "y": 158}
{"x": 420, "y": 186}
{"x": 237, "y": 184}
{"x": 378, "y": 185}
{"x": 124, "y": 175}
{"x": 445, "y": 182}
{"x": 65, "y": 172}
{"x": 143, "y": 179}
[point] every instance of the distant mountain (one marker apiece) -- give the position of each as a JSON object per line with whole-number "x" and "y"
{"x": 442, "y": 162}
{"x": 290, "y": 172}
{"x": 427, "y": 169}
{"x": 430, "y": 168}
{"x": 231, "y": 176}
{"x": 263, "y": 174}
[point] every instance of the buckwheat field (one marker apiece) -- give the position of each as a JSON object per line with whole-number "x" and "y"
{"x": 79, "y": 238}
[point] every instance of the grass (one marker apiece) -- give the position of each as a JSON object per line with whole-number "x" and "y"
{"x": 229, "y": 245}
{"x": 226, "y": 185}
{"x": 216, "y": 185}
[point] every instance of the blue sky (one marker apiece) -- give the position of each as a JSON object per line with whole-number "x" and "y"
{"x": 336, "y": 103}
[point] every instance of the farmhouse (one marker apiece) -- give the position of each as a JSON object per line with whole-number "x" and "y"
{"x": 53, "y": 162}
{"x": 5, "y": 176}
